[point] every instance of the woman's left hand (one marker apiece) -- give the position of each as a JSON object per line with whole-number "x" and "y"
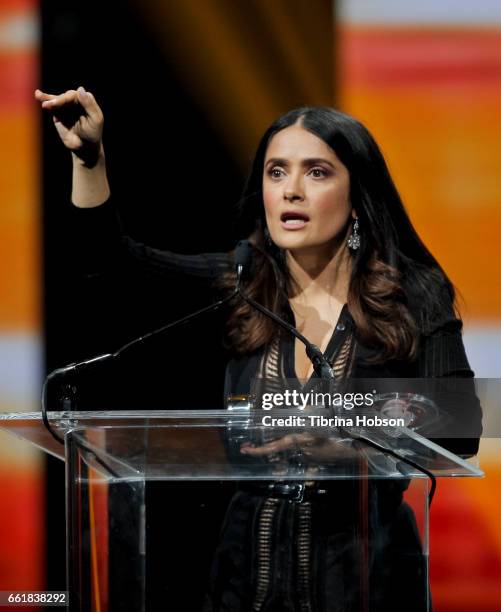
{"x": 316, "y": 448}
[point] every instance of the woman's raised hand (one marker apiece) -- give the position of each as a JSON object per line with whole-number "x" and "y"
{"x": 79, "y": 123}
{"x": 78, "y": 120}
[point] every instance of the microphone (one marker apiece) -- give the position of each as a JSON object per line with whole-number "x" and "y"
{"x": 243, "y": 257}
{"x": 242, "y": 260}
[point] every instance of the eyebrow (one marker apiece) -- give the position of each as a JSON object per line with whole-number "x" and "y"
{"x": 310, "y": 161}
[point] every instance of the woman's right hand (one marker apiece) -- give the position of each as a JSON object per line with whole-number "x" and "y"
{"x": 78, "y": 120}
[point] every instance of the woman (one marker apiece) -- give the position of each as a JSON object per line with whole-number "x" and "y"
{"x": 337, "y": 256}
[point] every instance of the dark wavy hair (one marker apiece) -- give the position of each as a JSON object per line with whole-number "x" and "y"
{"x": 396, "y": 284}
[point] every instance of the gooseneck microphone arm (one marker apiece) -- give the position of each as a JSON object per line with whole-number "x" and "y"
{"x": 320, "y": 364}
{"x": 243, "y": 256}
{"x": 82, "y": 365}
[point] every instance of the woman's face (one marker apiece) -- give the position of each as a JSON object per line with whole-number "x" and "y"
{"x": 306, "y": 192}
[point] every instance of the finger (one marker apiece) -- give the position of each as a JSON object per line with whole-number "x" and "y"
{"x": 71, "y": 140}
{"x": 276, "y": 446}
{"x": 89, "y": 103}
{"x": 42, "y": 96}
{"x": 68, "y": 97}
{"x": 297, "y": 441}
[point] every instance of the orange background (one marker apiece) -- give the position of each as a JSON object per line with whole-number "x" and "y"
{"x": 21, "y": 482}
{"x": 432, "y": 98}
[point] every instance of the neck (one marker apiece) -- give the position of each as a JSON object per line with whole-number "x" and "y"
{"x": 321, "y": 271}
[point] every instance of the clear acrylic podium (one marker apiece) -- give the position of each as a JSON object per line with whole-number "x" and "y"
{"x": 165, "y": 512}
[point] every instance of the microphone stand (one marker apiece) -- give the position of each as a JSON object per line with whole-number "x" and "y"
{"x": 82, "y": 365}
{"x": 243, "y": 256}
{"x": 320, "y": 364}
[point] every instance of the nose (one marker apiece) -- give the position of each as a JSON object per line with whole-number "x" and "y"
{"x": 293, "y": 191}
{"x": 290, "y": 196}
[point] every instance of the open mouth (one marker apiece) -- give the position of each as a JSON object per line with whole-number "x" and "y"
{"x": 294, "y": 219}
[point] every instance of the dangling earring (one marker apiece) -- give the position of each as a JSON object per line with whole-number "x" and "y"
{"x": 354, "y": 239}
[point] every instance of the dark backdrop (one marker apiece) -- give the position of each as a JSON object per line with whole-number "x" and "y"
{"x": 176, "y": 185}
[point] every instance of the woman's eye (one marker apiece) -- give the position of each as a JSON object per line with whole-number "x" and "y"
{"x": 318, "y": 172}
{"x": 275, "y": 172}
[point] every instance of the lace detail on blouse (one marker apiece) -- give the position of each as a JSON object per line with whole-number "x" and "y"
{"x": 342, "y": 364}
{"x": 272, "y": 362}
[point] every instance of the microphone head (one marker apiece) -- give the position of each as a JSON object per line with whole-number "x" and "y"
{"x": 243, "y": 256}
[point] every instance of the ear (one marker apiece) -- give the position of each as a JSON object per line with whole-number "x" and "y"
{"x": 353, "y": 213}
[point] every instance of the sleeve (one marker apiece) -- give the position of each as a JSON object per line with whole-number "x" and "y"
{"x": 442, "y": 351}
{"x": 102, "y": 245}
{"x": 442, "y": 356}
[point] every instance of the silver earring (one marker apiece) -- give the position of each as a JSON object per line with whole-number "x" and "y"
{"x": 354, "y": 239}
